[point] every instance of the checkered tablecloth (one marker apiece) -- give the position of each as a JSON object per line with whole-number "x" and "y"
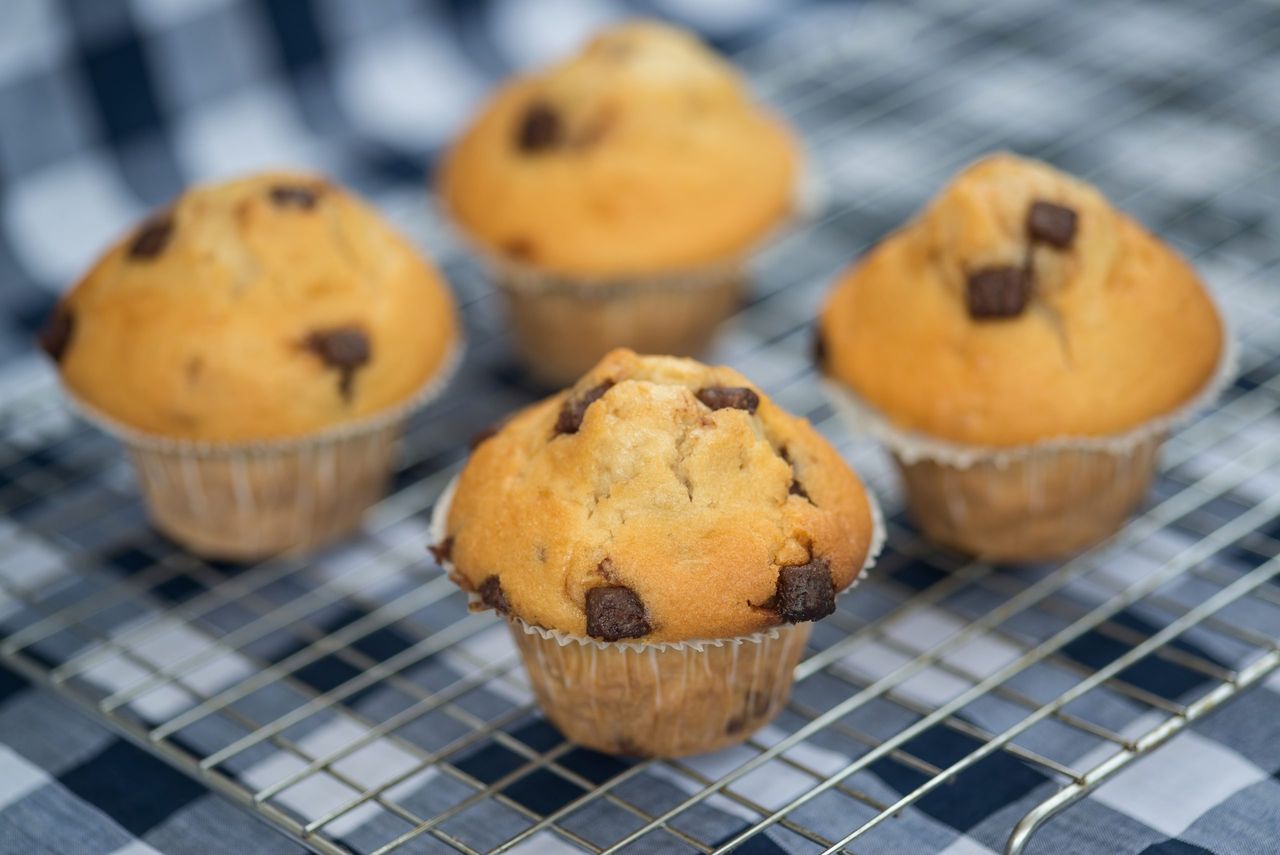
{"x": 109, "y": 107}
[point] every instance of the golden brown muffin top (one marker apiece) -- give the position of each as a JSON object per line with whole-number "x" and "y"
{"x": 643, "y": 154}
{"x": 266, "y": 307}
{"x": 1020, "y": 306}
{"x": 657, "y": 500}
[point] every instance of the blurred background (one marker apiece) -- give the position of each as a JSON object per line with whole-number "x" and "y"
{"x": 109, "y": 107}
{"x": 1172, "y": 107}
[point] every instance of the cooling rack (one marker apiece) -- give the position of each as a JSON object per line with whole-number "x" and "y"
{"x": 350, "y": 699}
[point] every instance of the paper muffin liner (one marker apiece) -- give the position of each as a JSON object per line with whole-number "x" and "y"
{"x": 563, "y": 324}
{"x": 658, "y": 699}
{"x": 561, "y": 329}
{"x": 1038, "y": 501}
{"x": 247, "y": 500}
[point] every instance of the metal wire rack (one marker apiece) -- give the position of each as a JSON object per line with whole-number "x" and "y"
{"x": 346, "y": 697}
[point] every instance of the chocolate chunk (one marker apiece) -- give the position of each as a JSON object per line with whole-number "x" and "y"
{"x": 735, "y": 397}
{"x": 520, "y": 248}
{"x": 805, "y": 592}
{"x": 55, "y": 338}
{"x": 1051, "y": 224}
{"x": 294, "y": 196}
{"x": 481, "y": 435}
{"x": 441, "y": 551}
{"x": 574, "y": 409}
{"x": 819, "y": 348}
{"x": 796, "y": 488}
{"x": 492, "y": 596}
{"x": 998, "y": 292}
{"x": 344, "y": 348}
{"x": 540, "y": 129}
{"x": 152, "y": 238}
{"x": 615, "y": 612}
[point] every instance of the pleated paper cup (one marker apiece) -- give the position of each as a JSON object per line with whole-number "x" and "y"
{"x": 1035, "y": 502}
{"x": 561, "y": 327}
{"x": 664, "y": 699}
{"x": 242, "y": 501}
{"x": 660, "y": 700}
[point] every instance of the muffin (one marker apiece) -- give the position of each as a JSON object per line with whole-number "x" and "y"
{"x": 257, "y": 346}
{"x": 617, "y": 196}
{"x": 1023, "y": 348}
{"x": 659, "y": 537}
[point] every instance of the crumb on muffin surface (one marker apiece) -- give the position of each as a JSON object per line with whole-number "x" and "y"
{"x": 658, "y": 500}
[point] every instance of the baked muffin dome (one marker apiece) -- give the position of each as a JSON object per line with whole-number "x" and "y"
{"x": 659, "y": 500}
{"x": 643, "y": 154}
{"x": 266, "y": 307}
{"x": 1020, "y": 306}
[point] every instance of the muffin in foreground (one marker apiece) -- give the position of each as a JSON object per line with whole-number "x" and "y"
{"x": 256, "y": 345}
{"x": 618, "y": 194}
{"x": 1023, "y": 349}
{"x": 659, "y": 537}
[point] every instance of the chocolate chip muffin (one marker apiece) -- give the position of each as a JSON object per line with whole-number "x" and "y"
{"x": 1023, "y": 347}
{"x": 272, "y": 312}
{"x": 617, "y": 195}
{"x": 659, "y": 508}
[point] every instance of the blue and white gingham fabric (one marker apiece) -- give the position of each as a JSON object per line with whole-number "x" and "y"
{"x": 108, "y": 107}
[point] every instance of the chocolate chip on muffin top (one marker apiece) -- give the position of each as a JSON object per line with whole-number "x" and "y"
{"x": 55, "y": 338}
{"x": 1005, "y": 291}
{"x": 666, "y": 507}
{"x": 805, "y": 592}
{"x": 818, "y": 347}
{"x": 442, "y": 551}
{"x": 734, "y": 397}
{"x": 570, "y": 418}
{"x": 345, "y": 348}
{"x": 998, "y": 292}
{"x": 615, "y": 612}
{"x": 491, "y": 595}
{"x": 1051, "y": 224}
{"x": 294, "y": 196}
{"x": 541, "y": 128}
{"x": 152, "y": 238}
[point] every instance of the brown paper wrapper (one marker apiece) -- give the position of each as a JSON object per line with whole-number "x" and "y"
{"x": 561, "y": 328}
{"x": 243, "y": 501}
{"x": 1037, "y": 507}
{"x": 666, "y": 699}
{"x": 660, "y": 700}
{"x": 1035, "y": 502}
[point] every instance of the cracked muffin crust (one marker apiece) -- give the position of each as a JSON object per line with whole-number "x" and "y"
{"x": 265, "y": 307}
{"x": 658, "y": 499}
{"x": 643, "y": 154}
{"x": 1020, "y": 306}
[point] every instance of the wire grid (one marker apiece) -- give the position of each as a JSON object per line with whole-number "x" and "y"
{"x": 230, "y": 672}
